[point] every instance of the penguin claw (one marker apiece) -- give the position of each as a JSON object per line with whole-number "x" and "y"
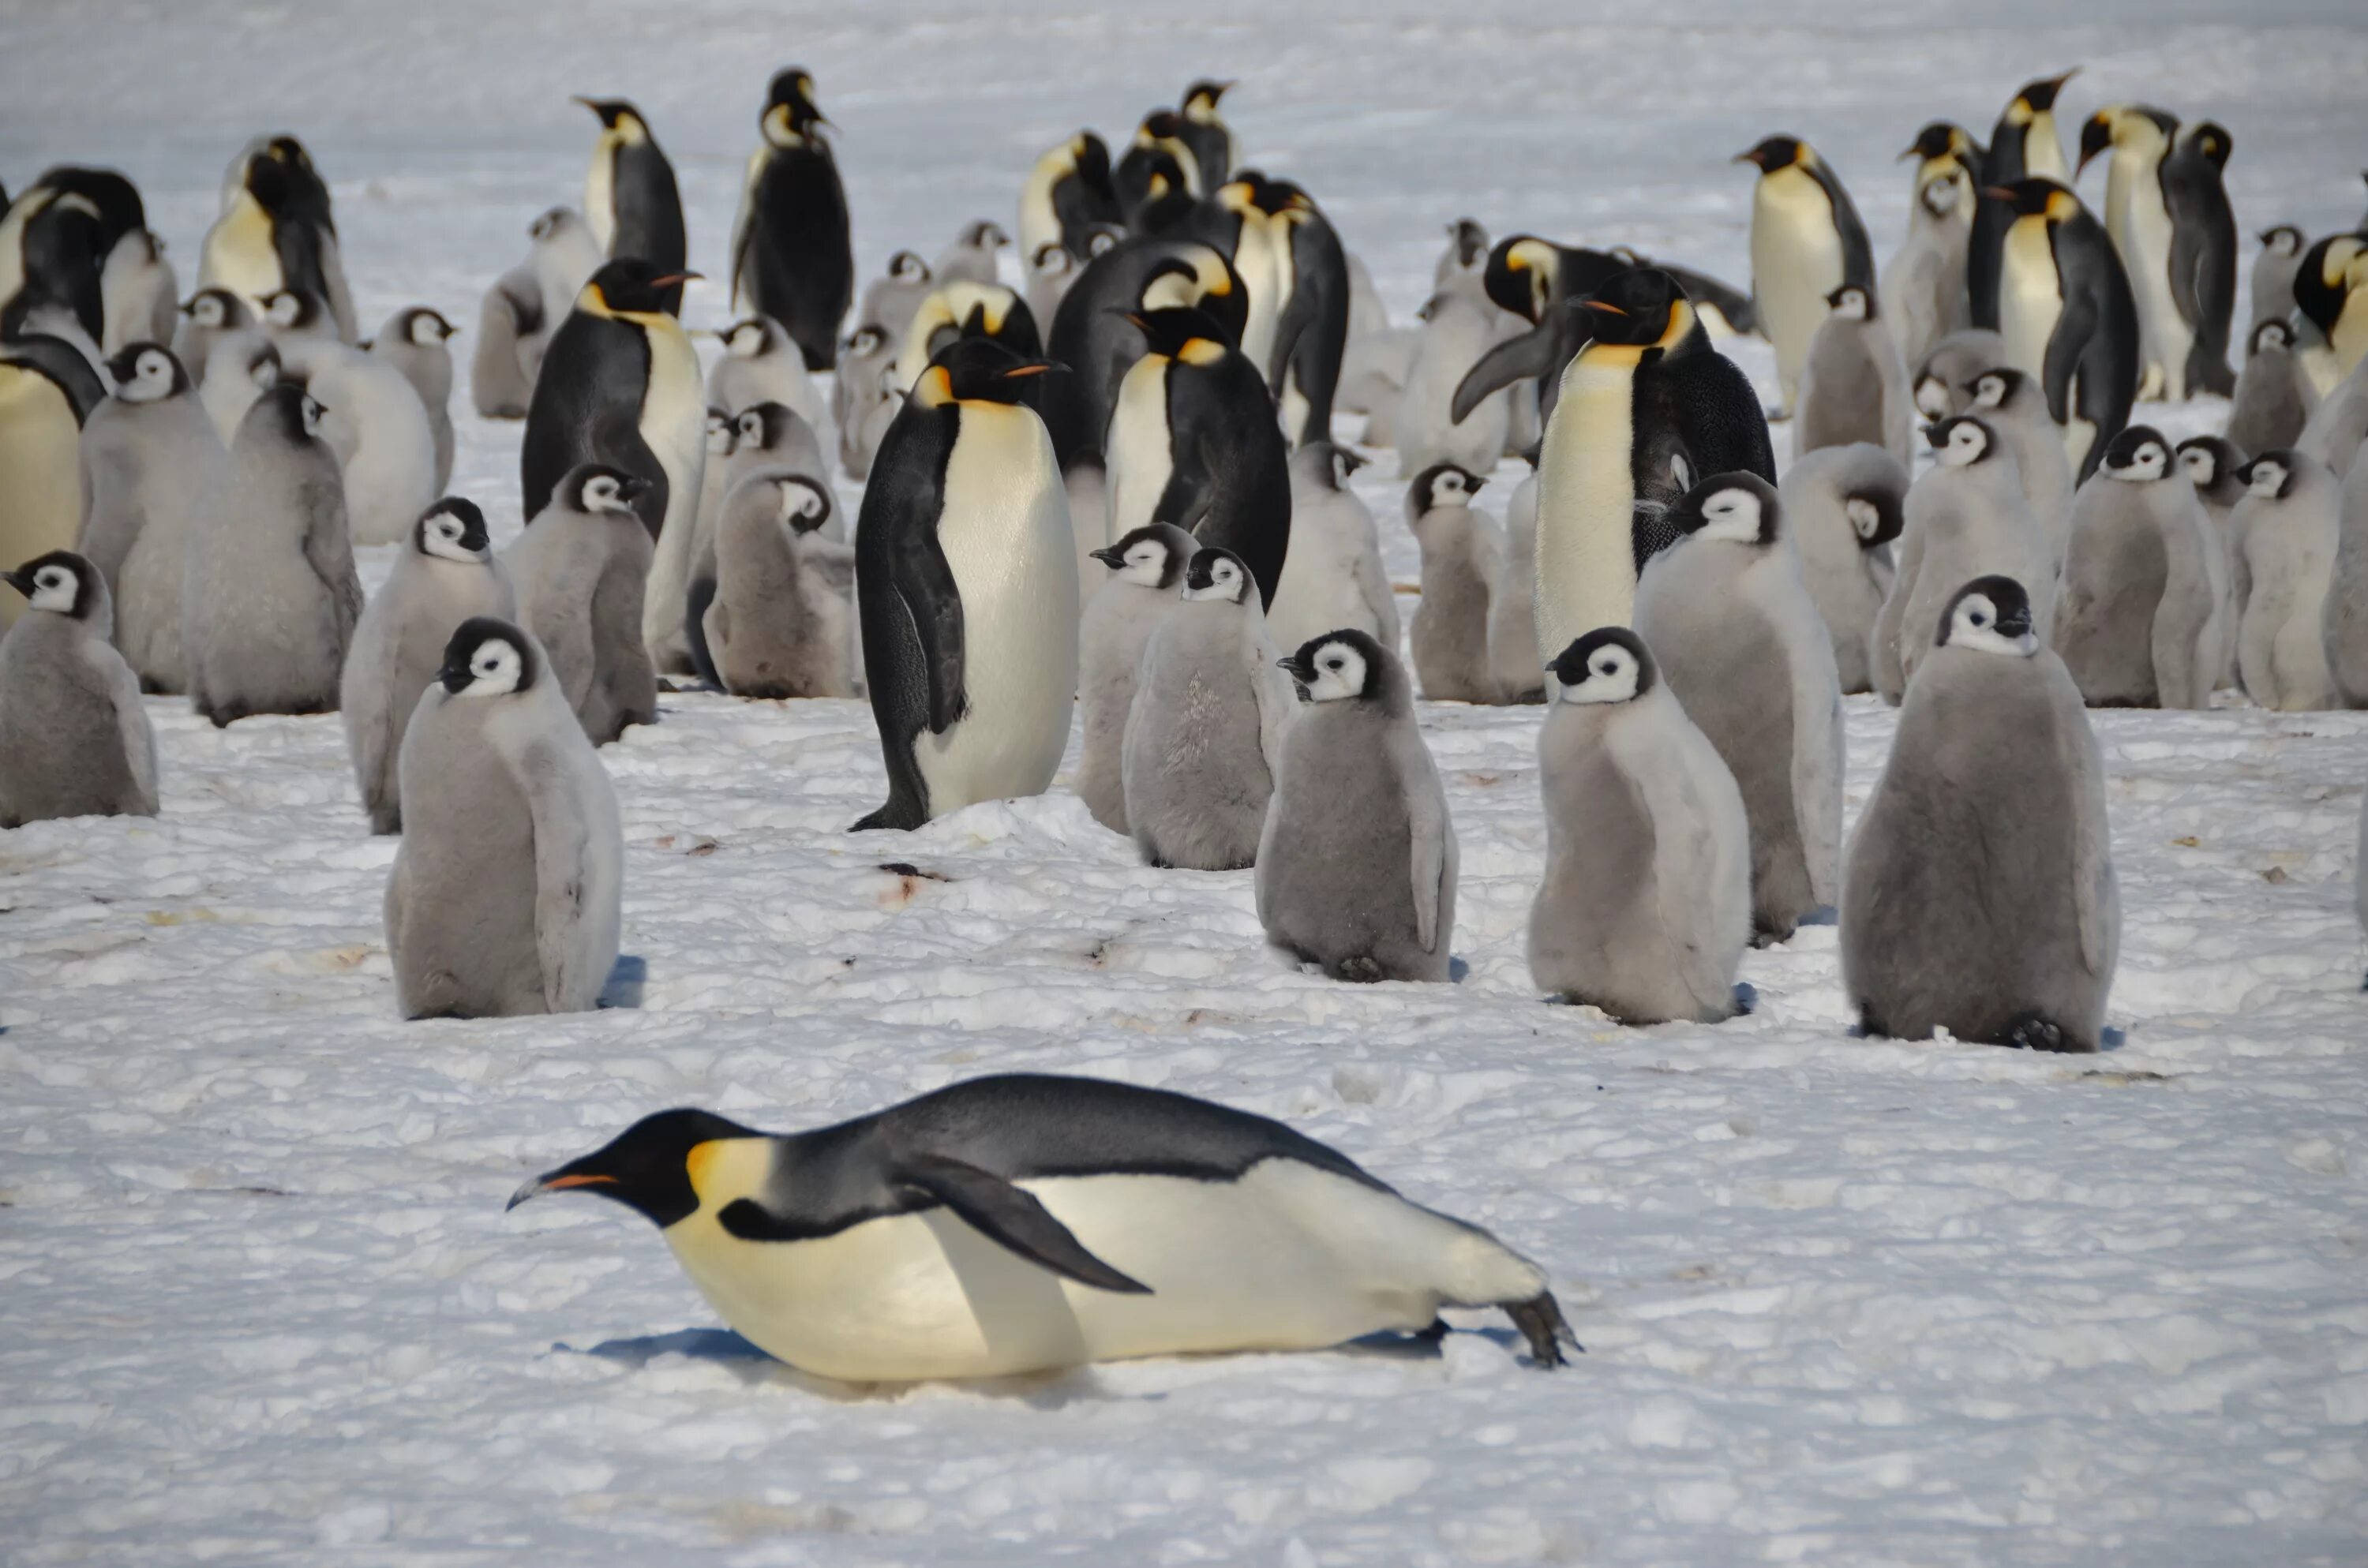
{"x": 1542, "y": 1323}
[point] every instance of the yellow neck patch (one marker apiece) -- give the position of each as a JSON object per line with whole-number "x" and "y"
{"x": 1202, "y": 351}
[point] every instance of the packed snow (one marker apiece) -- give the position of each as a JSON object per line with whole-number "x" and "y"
{"x": 1846, "y": 1302}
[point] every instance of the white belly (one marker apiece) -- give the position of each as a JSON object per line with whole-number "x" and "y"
{"x": 1255, "y": 260}
{"x": 238, "y": 254}
{"x": 41, "y": 505}
{"x": 2164, "y": 336}
{"x": 1796, "y": 261}
{"x": 674, "y": 424}
{"x": 2028, "y": 297}
{"x": 1138, "y": 456}
{"x": 1586, "y": 497}
{"x": 601, "y": 195}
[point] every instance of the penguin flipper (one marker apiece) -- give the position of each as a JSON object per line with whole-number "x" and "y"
{"x": 2073, "y": 329}
{"x": 1724, "y": 429}
{"x": 1525, "y": 357}
{"x": 1012, "y": 1217}
{"x": 923, "y": 584}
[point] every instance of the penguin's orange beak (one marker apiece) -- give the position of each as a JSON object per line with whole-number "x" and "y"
{"x": 669, "y": 279}
{"x": 1608, "y": 309}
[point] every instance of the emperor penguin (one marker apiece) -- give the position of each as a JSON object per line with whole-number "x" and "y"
{"x": 792, "y": 259}
{"x": 1459, "y": 326}
{"x": 2284, "y": 535}
{"x": 1844, "y": 508}
{"x": 1311, "y": 331}
{"x": 414, "y": 341}
{"x": 761, "y": 365}
{"x": 2024, "y": 143}
{"x": 2273, "y": 273}
{"x": 240, "y": 366}
{"x": 1204, "y": 131}
{"x": 377, "y": 429}
{"x": 46, "y": 392}
{"x": 972, "y": 257}
{"x": 1050, "y": 270}
{"x": 445, "y": 575}
{"x": 1356, "y": 861}
{"x": 150, "y": 456}
{"x": 1853, "y": 384}
{"x": 292, "y": 315}
{"x": 623, "y": 389}
{"x": 778, "y": 622}
{"x": 1967, "y": 518}
{"x": 2067, "y": 313}
{"x": 1067, "y": 192}
{"x": 1646, "y": 408}
{"x": 1745, "y": 654}
{"x": 270, "y": 596}
{"x": 1193, "y": 441}
{"x": 2274, "y": 398}
{"x": 1333, "y": 578}
{"x": 1806, "y": 242}
{"x": 506, "y": 894}
{"x": 2015, "y": 409}
{"x": 1462, "y": 565}
{"x": 1644, "y": 908}
{"x": 77, "y": 261}
{"x": 1206, "y": 731}
{"x": 890, "y": 300}
{"x": 2169, "y": 219}
{"x": 1091, "y": 333}
{"x": 860, "y": 389}
{"x": 1146, "y": 582}
{"x": 965, "y": 310}
{"x": 1513, "y": 659}
{"x": 207, "y": 315}
{"x": 1923, "y": 285}
{"x": 629, "y": 198}
{"x": 670, "y": 654}
{"x": 2331, "y": 294}
{"x": 1980, "y": 898}
{"x": 1943, "y": 379}
{"x": 2344, "y": 621}
{"x": 1027, "y": 1223}
{"x": 582, "y": 571}
{"x": 966, "y": 586}
{"x": 74, "y": 740}
{"x": 277, "y": 233}
{"x": 2143, "y": 620}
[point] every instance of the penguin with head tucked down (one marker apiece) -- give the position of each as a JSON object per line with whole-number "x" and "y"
{"x": 276, "y": 232}
{"x": 1537, "y": 280}
{"x": 1332, "y": 576}
{"x": 791, "y": 258}
{"x": 1943, "y": 382}
{"x": 1310, "y": 333}
{"x": 630, "y": 198}
{"x": 1067, "y": 193}
{"x": 2023, "y": 144}
{"x": 54, "y": 240}
{"x": 2330, "y": 289}
{"x": 965, "y": 310}
{"x": 74, "y": 740}
{"x": 761, "y": 365}
{"x": 2068, "y": 315}
{"x": 2169, "y": 219}
{"x": 1923, "y": 285}
{"x": 1844, "y": 508}
{"x": 1807, "y": 241}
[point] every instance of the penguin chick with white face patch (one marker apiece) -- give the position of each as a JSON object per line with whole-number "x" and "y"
{"x": 1050, "y": 270}
{"x": 2275, "y": 397}
{"x": 206, "y": 315}
{"x": 1853, "y": 384}
{"x": 2142, "y": 620}
{"x": 1980, "y": 898}
{"x": 376, "y": 426}
{"x": 1145, "y": 581}
{"x": 445, "y": 575}
{"x": 1513, "y": 662}
{"x": 1027, "y": 1222}
{"x": 971, "y": 258}
{"x": 46, "y": 392}
{"x": 2014, "y": 408}
{"x": 1923, "y": 287}
{"x": 890, "y": 300}
{"x": 271, "y": 594}
{"x": 1807, "y": 242}
{"x": 1333, "y": 577}
{"x": 670, "y": 652}
{"x": 506, "y": 893}
{"x": 240, "y": 368}
{"x": 1204, "y": 733}
{"x": 581, "y": 570}
{"x": 2211, "y": 465}
{"x": 2273, "y": 274}
{"x": 1646, "y": 906}
{"x": 2284, "y": 536}
{"x": 1356, "y": 864}
{"x": 1844, "y": 506}
{"x": 2344, "y": 621}
{"x": 1462, "y": 562}
{"x": 1943, "y": 382}
{"x": 149, "y": 459}
{"x": 1744, "y": 651}
{"x": 413, "y": 341}
{"x": 778, "y": 622}
{"x": 766, "y": 435}
{"x": 1967, "y": 518}
{"x": 856, "y": 393}
{"x": 761, "y": 365}
{"x": 74, "y": 740}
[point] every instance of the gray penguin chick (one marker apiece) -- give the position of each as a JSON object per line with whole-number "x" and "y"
{"x": 74, "y": 740}
{"x": 779, "y": 616}
{"x": 2285, "y": 532}
{"x": 2344, "y": 621}
{"x": 580, "y": 570}
{"x": 2274, "y": 398}
{"x": 413, "y": 341}
{"x": 2141, "y": 621}
{"x": 1844, "y": 507}
{"x": 1512, "y": 601}
{"x": 1853, "y": 382}
{"x": 1145, "y": 580}
{"x": 1463, "y": 561}
{"x": 150, "y": 456}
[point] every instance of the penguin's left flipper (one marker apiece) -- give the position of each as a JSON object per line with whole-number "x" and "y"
{"x": 1542, "y": 1323}
{"x": 2072, "y": 330}
{"x": 1525, "y": 357}
{"x": 1013, "y": 1217}
{"x": 924, "y": 580}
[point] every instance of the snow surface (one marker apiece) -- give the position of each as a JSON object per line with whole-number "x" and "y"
{"x": 1846, "y": 1302}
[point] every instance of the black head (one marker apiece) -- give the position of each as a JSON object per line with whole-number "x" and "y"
{"x": 1738, "y": 508}
{"x": 613, "y": 111}
{"x": 293, "y": 309}
{"x": 2210, "y": 462}
{"x": 763, "y": 427}
{"x": 1174, "y": 330}
{"x": 1343, "y": 665}
{"x": 453, "y": 529}
{"x": 2276, "y": 331}
{"x": 646, "y": 1167}
{"x": 288, "y": 411}
{"x": 217, "y": 308}
{"x": 1522, "y": 275}
{"x": 2000, "y": 385}
{"x": 1441, "y": 484}
{"x": 1853, "y": 302}
{"x": 1941, "y": 140}
{"x": 2283, "y": 239}
{"x": 1204, "y": 94}
{"x": 1876, "y": 506}
{"x": 984, "y": 234}
{"x": 2137, "y": 454}
{"x": 790, "y": 103}
{"x": 1469, "y": 240}
{"x": 596, "y": 487}
{"x": 1153, "y": 556}
{"x": 1962, "y": 441}
{"x": 751, "y": 337}
{"x": 2036, "y": 198}
{"x": 488, "y": 657}
{"x": 1609, "y": 664}
{"x": 1990, "y": 615}
{"x": 422, "y": 325}
{"x": 1215, "y": 574}
{"x": 1639, "y": 307}
{"x": 61, "y": 583}
{"x": 1325, "y": 464}
{"x": 1774, "y": 153}
{"x": 2272, "y": 475}
{"x": 147, "y": 372}
{"x": 2039, "y": 96}
{"x": 2212, "y": 138}
{"x": 979, "y": 369}
{"x": 631, "y": 287}
{"x": 1162, "y": 125}
{"x": 120, "y": 210}
{"x": 1090, "y": 155}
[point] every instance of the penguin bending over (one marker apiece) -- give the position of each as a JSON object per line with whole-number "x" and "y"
{"x": 413, "y": 341}
{"x": 1459, "y": 330}
{"x": 505, "y": 896}
{"x": 631, "y": 200}
{"x": 1923, "y": 285}
{"x": 1333, "y": 578}
{"x": 2142, "y": 621}
{"x": 150, "y": 458}
{"x": 778, "y": 622}
{"x": 1357, "y": 862}
{"x": 1462, "y": 562}
{"x": 1844, "y": 506}
{"x": 276, "y": 234}
{"x": 1853, "y": 385}
{"x": 2344, "y": 621}
{"x": 1146, "y": 583}
{"x": 2274, "y": 398}
{"x": 2067, "y": 313}
{"x": 1023, "y": 1223}
{"x": 792, "y": 259}
{"x": 74, "y": 740}
{"x": 1807, "y": 242}
{"x": 581, "y": 570}
{"x": 2284, "y": 536}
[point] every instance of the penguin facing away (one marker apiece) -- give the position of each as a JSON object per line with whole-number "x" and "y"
{"x": 1356, "y": 861}
{"x": 1845, "y": 509}
{"x": 2142, "y": 620}
{"x": 376, "y": 426}
{"x": 1457, "y": 331}
{"x": 2284, "y": 536}
{"x": 413, "y": 341}
{"x": 791, "y": 258}
{"x": 1462, "y": 562}
{"x": 506, "y": 895}
{"x": 276, "y": 232}
{"x": 1644, "y": 907}
{"x": 1022, "y": 1223}
{"x": 779, "y": 617}
{"x": 581, "y": 571}
{"x": 74, "y": 740}
{"x": 1980, "y": 897}
{"x": 1067, "y": 193}
{"x": 2273, "y": 273}
{"x": 1333, "y": 577}
{"x": 1853, "y": 384}
{"x": 1145, "y": 581}
{"x": 2274, "y": 398}
{"x": 1806, "y": 242}
{"x": 149, "y": 458}
{"x": 630, "y": 196}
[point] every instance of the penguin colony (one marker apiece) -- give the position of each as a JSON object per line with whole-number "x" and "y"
{"x": 1119, "y": 489}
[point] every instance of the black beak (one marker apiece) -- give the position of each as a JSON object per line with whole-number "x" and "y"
{"x": 1111, "y": 556}
{"x": 2014, "y": 623}
{"x": 1934, "y": 436}
{"x": 20, "y": 581}
{"x": 632, "y": 487}
{"x": 455, "y": 675}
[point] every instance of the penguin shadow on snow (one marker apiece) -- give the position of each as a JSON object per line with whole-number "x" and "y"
{"x": 2108, "y": 1037}
{"x": 752, "y": 1366}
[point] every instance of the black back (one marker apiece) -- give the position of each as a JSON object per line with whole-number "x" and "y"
{"x": 587, "y": 408}
{"x": 1313, "y": 335}
{"x": 796, "y": 262}
{"x": 649, "y": 214}
{"x": 2203, "y": 250}
{"x": 1230, "y": 484}
{"x": 1085, "y": 197}
{"x": 1099, "y": 345}
{"x": 2096, "y": 338}
{"x": 62, "y": 364}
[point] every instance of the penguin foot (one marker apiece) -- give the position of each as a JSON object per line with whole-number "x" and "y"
{"x": 892, "y": 816}
{"x": 1360, "y": 969}
{"x": 1746, "y": 998}
{"x": 1434, "y": 1334}
{"x": 1542, "y": 1323}
{"x": 2032, "y": 1032}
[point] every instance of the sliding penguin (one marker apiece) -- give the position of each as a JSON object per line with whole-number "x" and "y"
{"x": 791, "y": 258}
{"x": 2068, "y": 315}
{"x": 630, "y": 196}
{"x": 1923, "y": 285}
{"x": 1806, "y": 242}
{"x": 966, "y": 585}
{"x": 2169, "y": 219}
{"x": 74, "y": 740}
{"x": 2023, "y": 144}
{"x": 276, "y": 232}
{"x": 1067, "y": 193}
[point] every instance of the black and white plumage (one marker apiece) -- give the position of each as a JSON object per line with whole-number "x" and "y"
{"x": 1090, "y": 333}
{"x": 1145, "y": 581}
{"x": 2142, "y": 619}
{"x": 630, "y": 196}
{"x": 377, "y": 426}
{"x": 581, "y": 571}
{"x": 2169, "y": 218}
{"x": 791, "y": 258}
{"x": 1462, "y": 565}
{"x": 761, "y": 365}
{"x": 1846, "y": 508}
{"x": 1807, "y": 241}
{"x": 2014, "y": 408}
{"x": 777, "y": 619}
{"x": 525, "y": 306}
{"x": 74, "y": 740}
{"x": 1068, "y": 192}
{"x": 2067, "y": 314}
{"x": 150, "y": 459}
{"x": 2024, "y": 143}
{"x": 1943, "y": 381}
{"x": 276, "y": 234}
{"x": 47, "y": 391}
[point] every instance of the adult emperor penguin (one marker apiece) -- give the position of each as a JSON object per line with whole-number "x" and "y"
{"x": 1980, "y": 898}
{"x": 2344, "y": 621}
{"x": 276, "y": 232}
{"x": 1844, "y": 506}
{"x": 56, "y": 241}
{"x": 1853, "y": 384}
{"x": 271, "y": 596}
{"x": 445, "y": 575}
{"x": 2015, "y": 409}
{"x": 966, "y": 309}
{"x": 1747, "y": 656}
{"x": 2142, "y": 620}
{"x": 761, "y": 365}
{"x": 2284, "y": 536}
{"x": 2023, "y": 144}
{"x": 150, "y": 458}
{"x": 1204, "y": 733}
{"x": 2331, "y": 294}
{"x": 1091, "y": 335}
{"x": 621, "y": 389}
{"x": 1027, "y": 1222}
{"x": 1644, "y": 908}
{"x": 1462, "y": 562}
{"x": 1310, "y": 328}
{"x": 1355, "y": 865}
{"x": 1146, "y": 582}
{"x": 1068, "y": 192}
{"x": 966, "y": 582}
{"x": 1806, "y": 242}
{"x": 47, "y": 389}
{"x": 1193, "y": 441}
{"x": 630, "y": 196}
{"x": 74, "y": 741}
{"x": 1646, "y": 408}
{"x": 505, "y": 896}
{"x": 2168, "y": 217}
{"x": 1204, "y": 131}
{"x": 413, "y": 341}
{"x": 778, "y": 622}
{"x": 2067, "y": 313}
{"x": 1333, "y": 577}
{"x": 582, "y": 571}
{"x": 1923, "y": 285}
{"x": 791, "y": 258}
{"x": 2275, "y": 397}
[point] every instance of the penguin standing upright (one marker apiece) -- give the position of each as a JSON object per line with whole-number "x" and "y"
{"x": 582, "y": 570}
{"x": 2067, "y": 313}
{"x": 2015, "y": 409}
{"x": 1853, "y": 384}
{"x": 1458, "y": 329}
{"x": 1067, "y": 193}
{"x": 1513, "y": 659}
{"x": 1845, "y": 505}
{"x": 2142, "y": 621}
{"x": 1333, "y": 578}
{"x": 2274, "y": 398}
{"x": 74, "y": 740}
{"x": 2343, "y": 625}
{"x": 1806, "y": 242}
{"x": 972, "y": 257}
{"x": 1146, "y": 583}
{"x": 1091, "y": 333}
{"x": 791, "y": 258}
{"x": 630, "y": 196}
{"x": 965, "y": 310}
{"x": 1311, "y": 331}
{"x": 2285, "y": 535}
{"x": 777, "y": 622}
{"x": 47, "y": 391}
{"x": 378, "y": 427}
{"x": 1646, "y": 408}
{"x": 1923, "y": 285}
{"x": 2169, "y": 219}
{"x": 150, "y": 456}
{"x": 966, "y": 582}
{"x": 2273, "y": 273}
{"x": 413, "y": 341}
{"x": 2022, "y": 145}
{"x": 761, "y": 365}
{"x": 1462, "y": 562}
{"x": 1050, "y": 270}
{"x": 1204, "y": 131}
{"x": 208, "y": 315}
{"x": 276, "y": 232}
